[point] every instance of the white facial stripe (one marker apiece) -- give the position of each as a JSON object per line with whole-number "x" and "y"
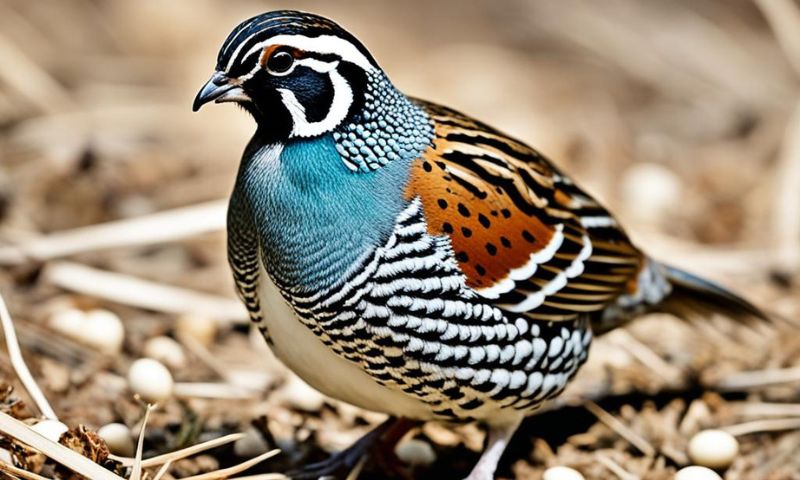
{"x": 342, "y": 99}
{"x": 318, "y": 65}
{"x": 325, "y": 44}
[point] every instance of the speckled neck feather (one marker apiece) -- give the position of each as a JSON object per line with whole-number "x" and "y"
{"x": 388, "y": 127}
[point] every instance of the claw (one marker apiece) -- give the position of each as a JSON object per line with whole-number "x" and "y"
{"x": 389, "y": 431}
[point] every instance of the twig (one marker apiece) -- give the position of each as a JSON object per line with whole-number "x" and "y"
{"x": 244, "y": 384}
{"x": 18, "y": 472}
{"x": 717, "y": 261}
{"x": 768, "y": 409}
{"x": 784, "y": 18}
{"x": 213, "y": 390}
{"x": 61, "y": 454}
{"x": 145, "y": 294}
{"x": 227, "y": 472}
{"x": 263, "y": 476}
{"x": 18, "y": 362}
{"x": 201, "y": 352}
{"x": 136, "y": 472}
{"x": 758, "y": 378}
{"x": 163, "y": 470}
{"x": 615, "y": 468}
{"x": 29, "y": 80}
{"x": 770, "y": 425}
{"x": 146, "y": 230}
{"x": 786, "y": 213}
{"x": 622, "y": 430}
{"x": 646, "y": 356}
{"x": 179, "y": 454}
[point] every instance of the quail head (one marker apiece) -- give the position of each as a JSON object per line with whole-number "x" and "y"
{"x": 409, "y": 259}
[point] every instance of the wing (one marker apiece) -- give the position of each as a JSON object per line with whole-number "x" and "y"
{"x": 525, "y": 236}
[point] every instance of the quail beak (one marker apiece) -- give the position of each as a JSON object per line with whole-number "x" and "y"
{"x": 220, "y": 89}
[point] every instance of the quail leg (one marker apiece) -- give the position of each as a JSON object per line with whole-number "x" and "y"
{"x": 498, "y": 438}
{"x": 384, "y": 435}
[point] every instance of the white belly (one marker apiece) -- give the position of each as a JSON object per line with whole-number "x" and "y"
{"x": 297, "y": 347}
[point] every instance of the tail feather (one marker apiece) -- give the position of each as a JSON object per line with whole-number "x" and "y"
{"x": 662, "y": 288}
{"x": 694, "y": 294}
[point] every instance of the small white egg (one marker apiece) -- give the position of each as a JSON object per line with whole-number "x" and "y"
{"x": 50, "y": 429}
{"x": 118, "y": 438}
{"x": 650, "y": 190}
{"x": 713, "y": 449}
{"x": 108, "y": 330}
{"x": 165, "y": 350}
{"x": 299, "y": 395}
{"x": 251, "y": 445}
{"x": 99, "y": 328}
{"x": 696, "y": 473}
{"x": 415, "y": 452}
{"x": 67, "y": 321}
{"x": 561, "y": 472}
{"x": 198, "y": 327}
{"x": 150, "y": 379}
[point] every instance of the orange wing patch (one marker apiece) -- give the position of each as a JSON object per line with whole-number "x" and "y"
{"x": 489, "y": 235}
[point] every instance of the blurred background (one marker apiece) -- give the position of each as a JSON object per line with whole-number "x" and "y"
{"x": 681, "y": 116}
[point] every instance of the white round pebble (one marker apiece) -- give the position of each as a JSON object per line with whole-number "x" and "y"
{"x": 650, "y": 190}
{"x": 561, "y": 472}
{"x": 415, "y": 452}
{"x": 251, "y": 445}
{"x": 299, "y": 395}
{"x": 98, "y": 328}
{"x": 198, "y": 327}
{"x": 713, "y": 449}
{"x": 50, "y": 429}
{"x": 118, "y": 438}
{"x": 165, "y": 350}
{"x": 696, "y": 473}
{"x": 150, "y": 379}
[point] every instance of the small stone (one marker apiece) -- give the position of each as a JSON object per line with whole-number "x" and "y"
{"x": 651, "y": 190}
{"x": 198, "y": 327}
{"x": 118, "y": 438}
{"x": 696, "y": 473}
{"x": 151, "y": 380}
{"x": 713, "y": 449}
{"x": 299, "y": 395}
{"x": 562, "y": 473}
{"x": 251, "y": 445}
{"x": 415, "y": 452}
{"x": 99, "y": 329}
{"x": 50, "y": 429}
{"x": 165, "y": 350}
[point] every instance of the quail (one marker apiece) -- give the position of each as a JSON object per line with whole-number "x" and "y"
{"x": 409, "y": 259}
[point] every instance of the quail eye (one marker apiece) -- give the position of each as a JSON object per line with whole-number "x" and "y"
{"x": 280, "y": 62}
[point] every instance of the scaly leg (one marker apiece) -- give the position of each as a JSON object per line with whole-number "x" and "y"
{"x": 498, "y": 438}
{"x": 387, "y": 434}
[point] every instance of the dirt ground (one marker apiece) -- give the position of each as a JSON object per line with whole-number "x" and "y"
{"x": 681, "y": 116}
